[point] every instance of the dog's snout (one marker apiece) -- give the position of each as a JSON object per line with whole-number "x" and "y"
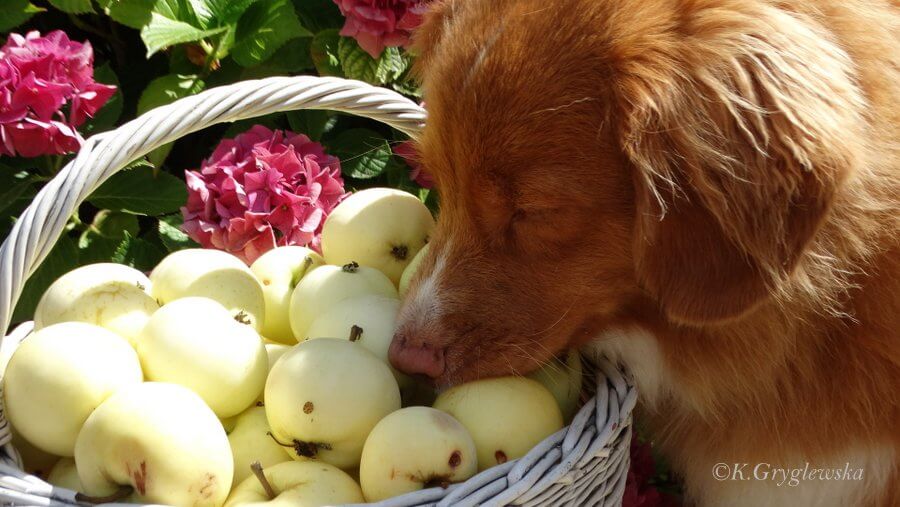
{"x": 416, "y": 357}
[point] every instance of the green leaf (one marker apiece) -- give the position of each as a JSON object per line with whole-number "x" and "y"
{"x": 292, "y": 58}
{"x": 141, "y": 191}
{"x": 99, "y": 241}
{"x": 16, "y": 192}
{"x": 14, "y": 187}
{"x": 171, "y": 235}
{"x": 109, "y": 114}
{"x": 324, "y": 52}
{"x": 264, "y": 28}
{"x": 61, "y": 259}
{"x": 357, "y": 64}
{"x": 131, "y": 13}
{"x": 16, "y": 12}
{"x": 318, "y": 15}
{"x": 108, "y": 224}
{"x": 162, "y": 32}
{"x": 363, "y": 153}
{"x": 73, "y": 6}
{"x": 220, "y": 12}
{"x": 137, "y": 253}
{"x": 311, "y": 122}
{"x": 165, "y": 90}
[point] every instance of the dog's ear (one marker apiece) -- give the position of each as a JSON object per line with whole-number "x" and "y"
{"x": 741, "y": 129}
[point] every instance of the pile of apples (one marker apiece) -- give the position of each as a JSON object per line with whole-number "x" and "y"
{"x": 211, "y": 383}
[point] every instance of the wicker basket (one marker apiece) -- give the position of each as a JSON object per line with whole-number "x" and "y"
{"x": 583, "y": 464}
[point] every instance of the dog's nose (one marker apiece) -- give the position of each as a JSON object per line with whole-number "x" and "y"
{"x": 416, "y": 358}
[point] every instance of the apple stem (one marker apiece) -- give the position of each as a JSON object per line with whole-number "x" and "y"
{"x": 242, "y": 317}
{"x": 120, "y": 494}
{"x": 351, "y": 267}
{"x": 355, "y": 333}
{"x": 257, "y": 469}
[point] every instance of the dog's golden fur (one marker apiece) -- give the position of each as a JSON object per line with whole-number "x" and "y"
{"x": 722, "y": 173}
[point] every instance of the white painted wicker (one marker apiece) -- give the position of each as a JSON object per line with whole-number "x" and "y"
{"x": 584, "y": 464}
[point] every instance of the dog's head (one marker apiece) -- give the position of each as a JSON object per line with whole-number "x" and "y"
{"x": 598, "y": 159}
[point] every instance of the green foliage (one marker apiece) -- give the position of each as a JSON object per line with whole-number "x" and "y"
{"x": 264, "y": 28}
{"x": 16, "y": 12}
{"x": 141, "y": 191}
{"x": 363, "y": 153}
{"x": 137, "y": 253}
{"x": 357, "y": 64}
{"x": 61, "y": 259}
{"x": 73, "y": 6}
{"x": 171, "y": 235}
{"x": 312, "y": 122}
{"x": 325, "y": 53}
{"x": 163, "y": 31}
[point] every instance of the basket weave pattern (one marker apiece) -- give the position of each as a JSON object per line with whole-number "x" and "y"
{"x": 583, "y": 464}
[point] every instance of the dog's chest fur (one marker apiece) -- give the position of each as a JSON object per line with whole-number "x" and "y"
{"x": 760, "y": 482}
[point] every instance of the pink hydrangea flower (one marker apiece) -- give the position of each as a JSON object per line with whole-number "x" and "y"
{"x": 407, "y": 151}
{"x": 262, "y": 189}
{"x": 376, "y": 24}
{"x": 47, "y": 89}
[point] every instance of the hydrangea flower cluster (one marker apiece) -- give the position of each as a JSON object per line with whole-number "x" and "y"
{"x": 376, "y": 24}
{"x": 47, "y": 90}
{"x": 260, "y": 190}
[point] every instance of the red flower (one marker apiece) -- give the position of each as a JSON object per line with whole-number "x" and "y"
{"x": 379, "y": 23}
{"x": 39, "y": 77}
{"x": 262, "y": 189}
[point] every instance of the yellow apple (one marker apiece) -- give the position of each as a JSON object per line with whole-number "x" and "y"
{"x": 213, "y": 274}
{"x": 326, "y": 286}
{"x": 161, "y": 440}
{"x": 110, "y": 295}
{"x": 250, "y": 441}
{"x": 324, "y": 396}
{"x": 410, "y": 270}
{"x": 280, "y": 270}
{"x": 65, "y": 475}
{"x": 369, "y": 321}
{"x": 274, "y": 351}
{"x": 298, "y": 484}
{"x": 383, "y": 228}
{"x": 563, "y": 380}
{"x": 59, "y": 375}
{"x": 413, "y": 447}
{"x": 197, "y": 343}
{"x": 34, "y": 460}
{"x": 506, "y": 416}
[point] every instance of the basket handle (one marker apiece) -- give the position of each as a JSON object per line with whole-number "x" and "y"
{"x": 101, "y": 156}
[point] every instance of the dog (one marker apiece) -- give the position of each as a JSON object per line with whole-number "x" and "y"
{"x": 707, "y": 191}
